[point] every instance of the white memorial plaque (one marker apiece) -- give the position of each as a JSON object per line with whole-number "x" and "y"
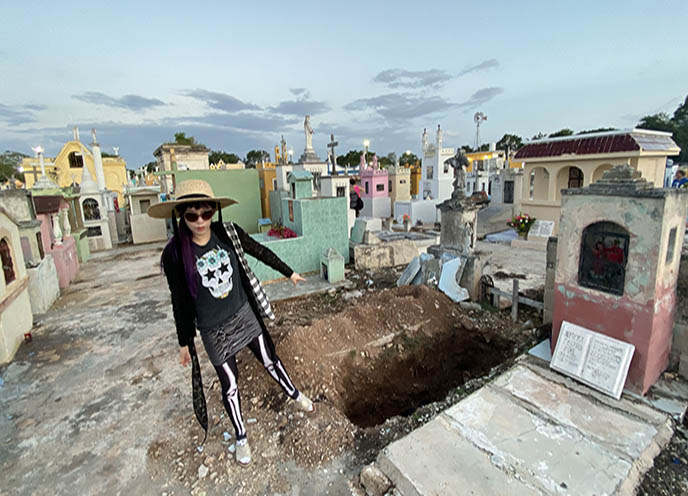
{"x": 592, "y": 358}
{"x": 541, "y": 229}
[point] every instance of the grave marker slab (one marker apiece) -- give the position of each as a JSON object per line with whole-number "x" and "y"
{"x": 541, "y": 229}
{"x": 450, "y": 277}
{"x": 592, "y": 358}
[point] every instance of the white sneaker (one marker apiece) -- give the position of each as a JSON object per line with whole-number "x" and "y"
{"x": 304, "y": 403}
{"x": 242, "y": 452}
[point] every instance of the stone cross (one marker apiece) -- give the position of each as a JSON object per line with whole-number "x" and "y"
{"x": 39, "y": 152}
{"x": 331, "y": 146}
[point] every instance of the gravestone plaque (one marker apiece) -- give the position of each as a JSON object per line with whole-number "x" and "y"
{"x": 541, "y": 229}
{"x": 592, "y": 358}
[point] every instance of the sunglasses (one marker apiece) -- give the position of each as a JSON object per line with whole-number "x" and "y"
{"x": 192, "y": 217}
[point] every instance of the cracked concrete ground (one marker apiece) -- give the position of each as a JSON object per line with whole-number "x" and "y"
{"x": 83, "y": 401}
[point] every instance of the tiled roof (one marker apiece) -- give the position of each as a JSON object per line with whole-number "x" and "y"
{"x": 629, "y": 141}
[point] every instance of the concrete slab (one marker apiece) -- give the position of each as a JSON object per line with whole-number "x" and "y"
{"x": 542, "y": 350}
{"x": 283, "y": 289}
{"x": 435, "y": 460}
{"x": 530, "y": 431}
{"x": 410, "y": 272}
{"x": 667, "y": 395}
{"x": 505, "y": 237}
{"x": 451, "y": 274}
{"x": 614, "y": 430}
{"x": 544, "y": 453}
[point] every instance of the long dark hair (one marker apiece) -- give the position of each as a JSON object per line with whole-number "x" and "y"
{"x": 181, "y": 241}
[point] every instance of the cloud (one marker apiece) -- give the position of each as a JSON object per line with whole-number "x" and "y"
{"x": 220, "y": 101}
{"x": 401, "y": 78}
{"x": 300, "y": 107}
{"x": 482, "y": 66}
{"x": 128, "y": 102}
{"x": 481, "y": 96}
{"x": 401, "y": 106}
{"x": 19, "y": 114}
{"x": 239, "y": 122}
{"x": 303, "y": 92}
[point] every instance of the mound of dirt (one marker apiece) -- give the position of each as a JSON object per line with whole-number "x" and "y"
{"x": 362, "y": 360}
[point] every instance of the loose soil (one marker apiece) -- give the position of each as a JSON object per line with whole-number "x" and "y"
{"x": 376, "y": 366}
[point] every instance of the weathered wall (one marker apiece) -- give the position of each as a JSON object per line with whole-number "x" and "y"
{"x": 679, "y": 347}
{"x": 15, "y": 320}
{"x": 549, "y": 280}
{"x": 418, "y": 210}
{"x": 44, "y": 286}
{"x": 66, "y": 261}
{"x": 145, "y": 229}
{"x": 241, "y": 185}
{"x": 321, "y": 224}
{"x": 17, "y": 203}
{"x": 15, "y": 308}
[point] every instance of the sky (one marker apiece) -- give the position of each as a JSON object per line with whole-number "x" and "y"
{"x": 239, "y": 75}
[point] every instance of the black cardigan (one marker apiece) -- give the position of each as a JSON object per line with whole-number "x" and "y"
{"x": 183, "y": 306}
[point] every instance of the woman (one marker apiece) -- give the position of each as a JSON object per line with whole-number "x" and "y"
{"x": 214, "y": 290}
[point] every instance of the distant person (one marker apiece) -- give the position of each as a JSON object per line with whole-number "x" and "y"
{"x": 214, "y": 290}
{"x": 355, "y": 200}
{"x": 680, "y": 179}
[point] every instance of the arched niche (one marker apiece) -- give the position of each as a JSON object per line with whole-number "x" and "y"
{"x": 603, "y": 257}
{"x": 569, "y": 177}
{"x": 90, "y": 209}
{"x": 539, "y": 183}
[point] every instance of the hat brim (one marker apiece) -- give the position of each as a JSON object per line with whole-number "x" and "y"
{"x": 163, "y": 210}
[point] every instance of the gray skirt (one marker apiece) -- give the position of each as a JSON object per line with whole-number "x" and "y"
{"x": 224, "y": 341}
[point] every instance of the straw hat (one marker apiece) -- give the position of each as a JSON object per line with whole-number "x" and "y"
{"x": 191, "y": 191}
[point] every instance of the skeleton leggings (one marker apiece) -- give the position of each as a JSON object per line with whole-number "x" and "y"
{"x": 264, "y": 350}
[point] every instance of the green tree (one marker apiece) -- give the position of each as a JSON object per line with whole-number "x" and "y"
{"x": 228, "y": 158}
{"x": 182, "y": 139}
{"x": 388, "y": 160}
{"x": 9, "y": 165}
{"x": 408, "y": 159}
{"x": 352, "y": 158}
{"x": 538, "y": 136}
{"x": 150, "y": 166}
{"x": 255, "y": 157}
{"x": 562, "y": 132}
{"x": 467, "y": 149}
{"x": 680, "y": 120}
{"x": 510, "y": 141}
{"x": 657, "y": 122}
{"x": 677, "y": 124}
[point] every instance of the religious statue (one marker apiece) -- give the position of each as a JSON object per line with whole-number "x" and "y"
{"x": 458, "y": 162}
{"x": 309, "y": 132}
{"x": 363, "y": 165}
{"x": 283, "y": 157}
{"x": 93, "y": 135}
{"x": 424, "y": 140}
{"x": 375, "y": 165}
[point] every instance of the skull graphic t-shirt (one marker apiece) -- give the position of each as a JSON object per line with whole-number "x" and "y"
{"x": 220, "y": 293}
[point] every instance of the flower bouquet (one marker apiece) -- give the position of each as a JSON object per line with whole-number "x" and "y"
{"x": 521, "y": 223}
{"x": 282, "y": 232}
{"x": 407, "y": 222}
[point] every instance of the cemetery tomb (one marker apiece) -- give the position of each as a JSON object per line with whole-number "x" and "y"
{"x": 617, "y": 267}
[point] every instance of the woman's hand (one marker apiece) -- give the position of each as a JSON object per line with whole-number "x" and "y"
{"x": 295, "y": 277}
{"x": 184, "y": 356}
